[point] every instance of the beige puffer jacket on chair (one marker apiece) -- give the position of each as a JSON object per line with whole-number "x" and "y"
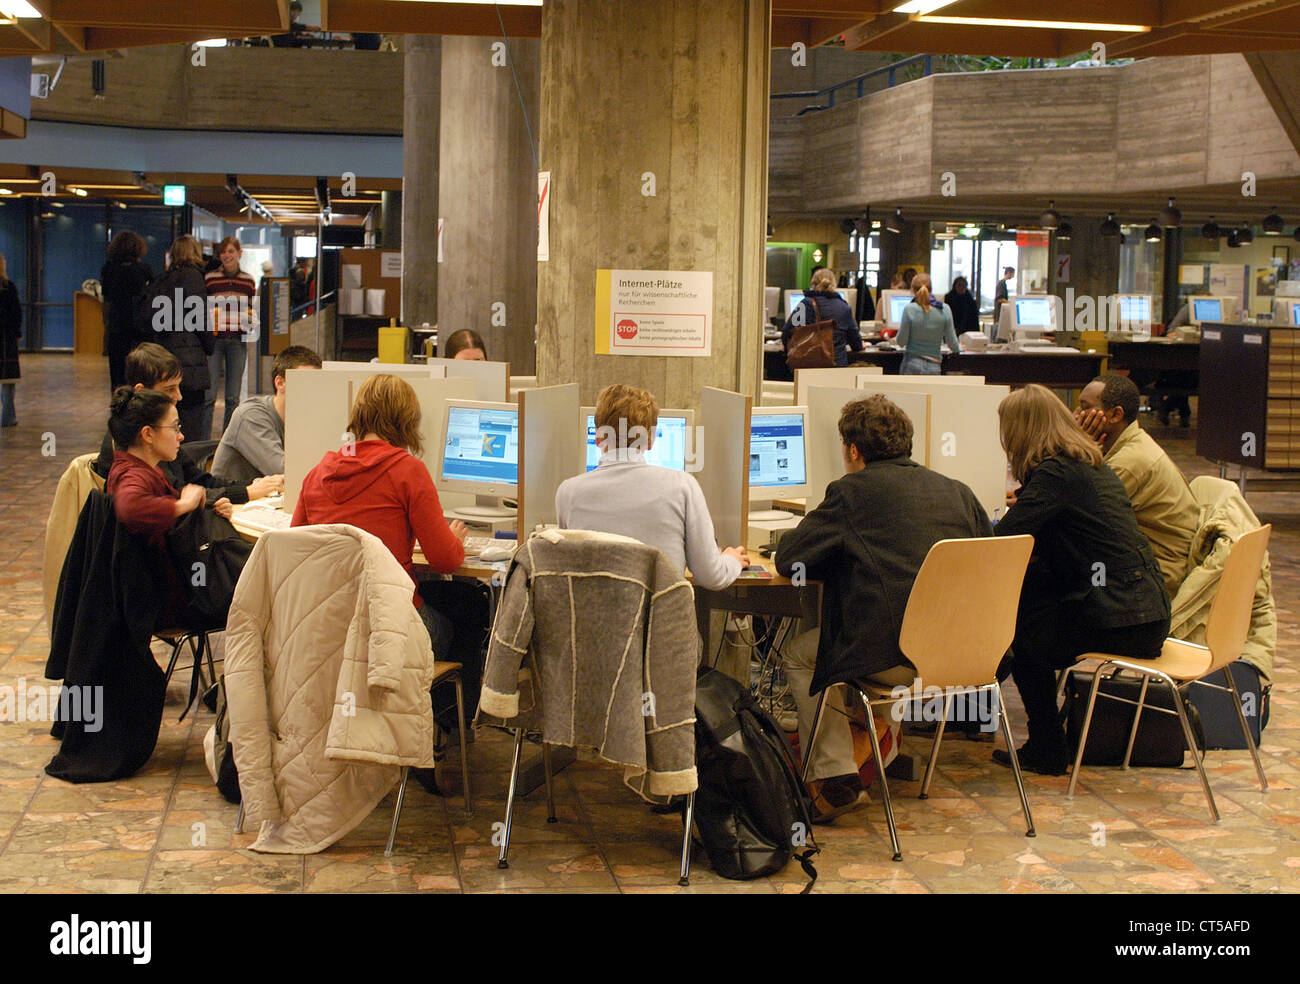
{"x": 328, "y": 668}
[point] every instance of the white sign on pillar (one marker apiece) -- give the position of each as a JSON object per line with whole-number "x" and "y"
{"x": 543, "y": 216}
{"x": 440, "y": 240}
{"x": 654, "y": 312}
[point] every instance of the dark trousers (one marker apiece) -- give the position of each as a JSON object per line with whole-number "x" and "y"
{"x": 463, "y": 634}
{"x": 119, "y": 346}
{"x": 1049, "y": 637}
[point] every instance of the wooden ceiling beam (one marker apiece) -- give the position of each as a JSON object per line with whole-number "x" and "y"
{"x": 395, "y": 17}
{"x": 242, "y": 18}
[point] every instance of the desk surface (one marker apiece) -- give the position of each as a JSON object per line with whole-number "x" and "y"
{"x": 1065, "y": 369}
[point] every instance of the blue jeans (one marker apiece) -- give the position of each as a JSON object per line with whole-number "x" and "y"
{"x": 232, "y": 353}
{"x": 7, "y": 416}
{"x": 914, "y": 365}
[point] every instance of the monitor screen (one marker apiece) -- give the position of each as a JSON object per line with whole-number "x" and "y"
{"x": 1207, "y": 309}
{"x": 668, "y": 450}
{"x": 897, "y": 304}
{"x": 1034, "y": 312}
{"x": 776, "y": 451}
{"x": 1135, "y": 309}
{"x": 482, "y": 445}
{"x": 1295, "y": 313}
{"x": 793, "y": 299}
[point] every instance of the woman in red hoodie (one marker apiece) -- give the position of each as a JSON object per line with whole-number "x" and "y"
{"x": 146, "y": 423}
{"x": 377, "y": 483}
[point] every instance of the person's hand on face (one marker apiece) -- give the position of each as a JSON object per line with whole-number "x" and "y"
{"x": 1093, "y": 422}
{"x": 223, "y": 507}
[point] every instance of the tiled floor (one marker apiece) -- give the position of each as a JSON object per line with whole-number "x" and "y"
{"x": 167, "y": 829}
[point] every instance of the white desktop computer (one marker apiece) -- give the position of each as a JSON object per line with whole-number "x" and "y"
{"x": 891, "y": 307}
{"x": 1204, "y": 307}
{"x": 480, "y": 455}
{"x": 1286, "y": 311}
{"x": 778, "y": 459}
{"x": 1133, "y": 313}
{"x": 672, "y": 447}
{"x": 1031, "y": 316}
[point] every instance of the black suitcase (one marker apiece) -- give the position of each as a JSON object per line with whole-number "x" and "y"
{"x": 1222, "y": 729}
{"x": 1159, "y": 741}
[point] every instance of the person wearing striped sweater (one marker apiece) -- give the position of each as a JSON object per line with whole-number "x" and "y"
{"x": 233, "y": 319}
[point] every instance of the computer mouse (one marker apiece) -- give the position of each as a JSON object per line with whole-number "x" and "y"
{"x": 493, "y": 554}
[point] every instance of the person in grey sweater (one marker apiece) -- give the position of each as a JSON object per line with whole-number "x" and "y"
{"x": 253, "y": 443}
{"x": 658, "y": 506}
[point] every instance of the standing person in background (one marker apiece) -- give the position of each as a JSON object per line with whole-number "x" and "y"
{"x": 11, "y": 328}
{"x": 965, "y": 309}
{"x": 465, "y": 344}
{"x": 923, "y": 329}
{"x": 828, "y": 304}
{"x": 1001, "y": 295}
{"x": 230, "y": 304}
{"x": 124, "y": 278}
{"x": 909, "y": 275}
{"x": 176, "y": 317}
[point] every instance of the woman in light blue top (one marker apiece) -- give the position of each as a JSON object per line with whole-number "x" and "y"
{"x": 922, "y": 330}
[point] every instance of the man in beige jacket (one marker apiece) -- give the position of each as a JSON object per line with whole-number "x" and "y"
{"x": 1166, "y": 512}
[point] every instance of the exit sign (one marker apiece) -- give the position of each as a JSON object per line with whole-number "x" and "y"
{"x": 173, "y": 194}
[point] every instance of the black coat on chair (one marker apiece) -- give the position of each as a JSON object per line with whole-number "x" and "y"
{"x": 110, "y": 593}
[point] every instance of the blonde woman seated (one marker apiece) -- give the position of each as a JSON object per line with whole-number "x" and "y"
{"x": 658, "y": 506}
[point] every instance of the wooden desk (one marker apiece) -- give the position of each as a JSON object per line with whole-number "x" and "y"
{"x": 1157, "y": 355}
{"x": 1069, "y": 370}
{"x": 774, "y": 595}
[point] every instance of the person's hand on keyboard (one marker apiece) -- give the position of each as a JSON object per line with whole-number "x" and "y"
{"x": 458, "y": 530}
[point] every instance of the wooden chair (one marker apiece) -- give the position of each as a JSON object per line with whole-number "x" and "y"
{"x": 959, "y": 623}
{"x": 1186, "y": 663}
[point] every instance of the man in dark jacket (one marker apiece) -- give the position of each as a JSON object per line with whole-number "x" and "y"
{"x": 866, "y": 542}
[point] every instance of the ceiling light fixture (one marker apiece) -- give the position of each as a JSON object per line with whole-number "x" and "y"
{"x": 1232, "y": 240}
{"x": 1274, "y": 225}
{"x": 1246, "y": 236}
{"x": 895, "y": 222}
{"x": 1170, "y": 216}
{"x": 5, "y": 191}
{"x": 1064, "y": 231}
{"x": 1211, "y": 229}
{"x": 1046, "y": 25}
{"x": 1153, "y": 233}
{"x": 921, "y": 6}
{"x": 1051, "y": 218}
{"x": 1109, "y": 227}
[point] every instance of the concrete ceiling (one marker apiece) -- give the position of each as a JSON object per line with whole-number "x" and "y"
{"x": 1144, "y": 28}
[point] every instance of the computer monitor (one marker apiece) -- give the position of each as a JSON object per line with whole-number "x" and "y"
{"x": 480, "y": 449}
{"x": 891, "y": 307}
{"x": 1133, "y": 312}
{"x": 1033, "y": 313}
{"x": 673, "y": 447}
{"x": 778, "y": 459}
{"x": 1286, "y": 311}
{"x": 1205, "y": 307}
{"x": 793, "y": 298}
{"x": 771, "y": 302}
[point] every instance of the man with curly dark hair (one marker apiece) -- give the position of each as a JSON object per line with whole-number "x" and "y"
{"x": 865, "y": 542}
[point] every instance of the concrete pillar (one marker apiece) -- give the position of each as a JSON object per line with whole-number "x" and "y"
{"x": 488, "y": 189}
{"x": 679, "y": 89}
{"x": 420, "y": 114}
{"x": 1094, "y": 261}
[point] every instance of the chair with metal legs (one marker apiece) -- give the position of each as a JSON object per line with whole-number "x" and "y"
{"x": 1186, "y": 664}
{"x": 200, "y": 644}
{"x": 959, "y": 623}
{"x": 441, "y": 673}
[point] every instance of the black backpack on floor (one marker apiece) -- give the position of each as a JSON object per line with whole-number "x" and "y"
{"x": 751, "y": 810}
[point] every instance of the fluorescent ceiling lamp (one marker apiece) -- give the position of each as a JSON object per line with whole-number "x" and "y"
{"x": 503, "y": 3}
{"x": 18, "y": 8}
{"x": 1041, "y": 24}
{"x": 921, "y": 6}
{"x": 5, "y": 191}
{"x": 209, "y": 43}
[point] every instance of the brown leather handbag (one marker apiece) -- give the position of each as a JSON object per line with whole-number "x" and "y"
{"x": 812, "y": 346}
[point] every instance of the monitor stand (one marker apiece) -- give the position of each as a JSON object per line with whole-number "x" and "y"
{"x": 770, "y": 516}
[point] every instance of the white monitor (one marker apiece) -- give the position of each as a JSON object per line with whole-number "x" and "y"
{"x": 673, "y": 445}
{"x": 891, "y": 306}
{"x": 1205, "y": 307}
{"x": 1133, "y": 311}
{"x": 792, "y": 300}
{"x": 480, "y": 448}
{"x": 778, "y": 455}
{"x": 1033, "y": 314}
{"x": 1286, "y": 311}
{"x": 771, "y": 302}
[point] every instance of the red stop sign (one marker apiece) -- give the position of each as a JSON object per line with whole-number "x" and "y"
{"x": 626, "y": 329}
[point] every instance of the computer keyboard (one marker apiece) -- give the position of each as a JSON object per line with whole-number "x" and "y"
{"x": 266, "y": 519}
{"x": 475, "y": 545}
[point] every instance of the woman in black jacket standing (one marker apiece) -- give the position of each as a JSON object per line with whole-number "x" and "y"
{"x": 11, "y": 329}
{"x": 822, "y": 302}
{"x": 1092, "y": 585}
{"x": 965, "y": 309}
{"x": 178, "y": 317}
{"x": 124, "y": 278}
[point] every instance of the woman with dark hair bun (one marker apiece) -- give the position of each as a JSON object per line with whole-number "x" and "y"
{"x": 124, "y": 278}
{"x": 147, "y": 425}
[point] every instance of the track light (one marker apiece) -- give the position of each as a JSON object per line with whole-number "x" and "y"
{"x": 1153, "y": 233}
{"x": 895, "y": 222}
{"x": 1246, "y": 236}
{"x": 1064, "y": 231}
{"x": 1050, "y": 219}
{"x": 1274, "y": 224}
{"x": 1233, "y": 241}
{"x": 1211, "y": 229}
{"x": 1109, "y": 227}
{"x": 1170, "y": 216}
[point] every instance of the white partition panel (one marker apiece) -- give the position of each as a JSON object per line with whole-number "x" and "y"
{"x": 837, "y": 376}
{"x": 724, "y": 460}
{"x": 964, "y": 439}
{"x": 824, "y": 448}
{"x": 866, "y": 379}
{"x": 491, "y": 378}
{"x": 550, "y": 450}
{"x": 375, "y": 368}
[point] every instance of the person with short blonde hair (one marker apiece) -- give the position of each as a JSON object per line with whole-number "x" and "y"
{"x": 822, "y": 302}
{"x": 627, "y": 496}
{"x": 1092, "y": 584}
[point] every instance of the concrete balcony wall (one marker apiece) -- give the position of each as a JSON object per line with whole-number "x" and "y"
{"x": 264, "y": 89}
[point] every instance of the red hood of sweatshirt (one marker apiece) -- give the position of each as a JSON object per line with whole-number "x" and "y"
{"x": 345, "y": 476}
